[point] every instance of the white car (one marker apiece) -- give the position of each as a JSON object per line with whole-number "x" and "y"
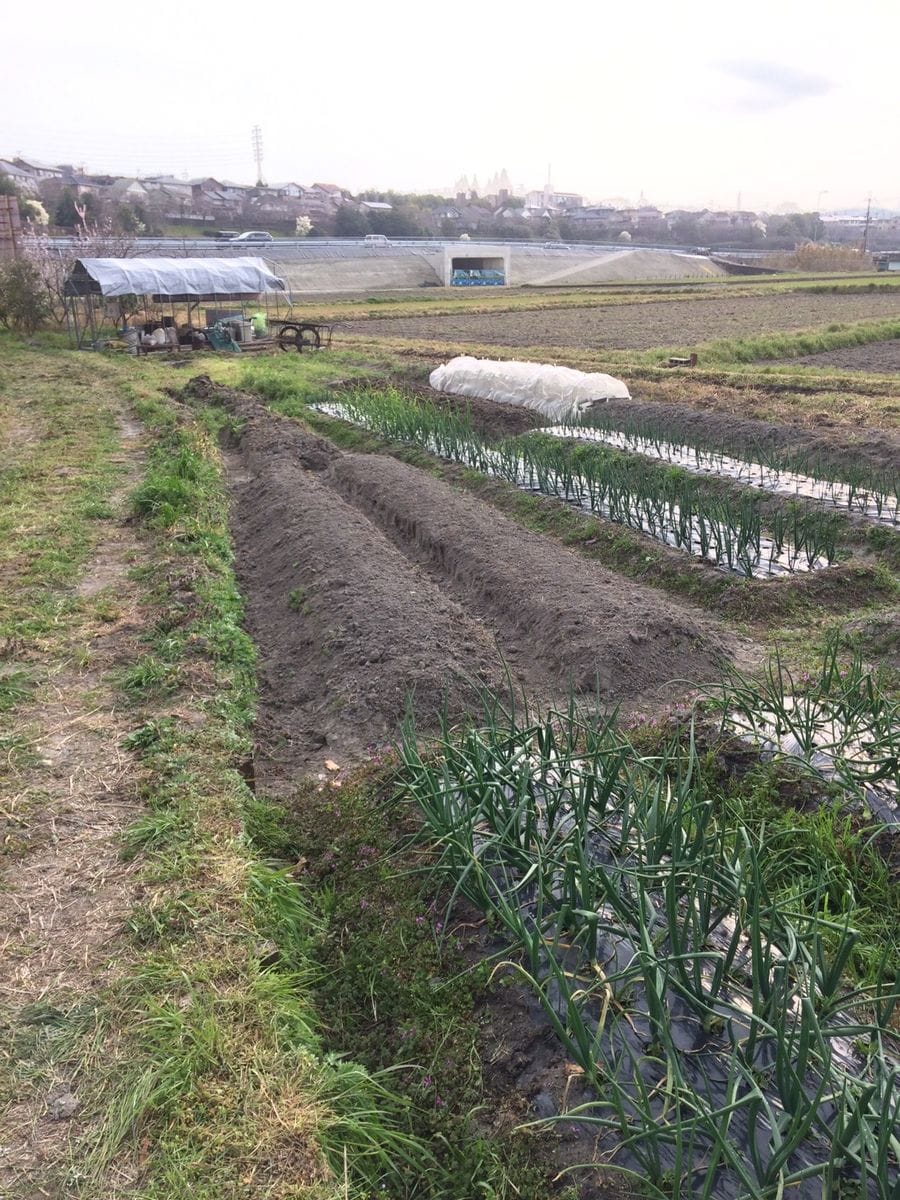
{"x": 254, "y": 235}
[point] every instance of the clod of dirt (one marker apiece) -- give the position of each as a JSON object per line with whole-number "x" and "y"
{"x": 62, "y": 1106}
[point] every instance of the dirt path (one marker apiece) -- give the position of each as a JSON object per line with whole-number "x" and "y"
{"x": 367, "y": 581}
{"x": 66, "y": 889}
{"x": 640, "y": 326}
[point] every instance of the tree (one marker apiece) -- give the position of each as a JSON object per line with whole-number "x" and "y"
{"x": 131, "y": 218}
{"x": 395, "y": 222}
{"x": 73, "y": 212}
{"x": 66, "y": 214}
{"x": 350, "y": 222}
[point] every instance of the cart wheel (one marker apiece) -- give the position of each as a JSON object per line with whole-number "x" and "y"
{"x": 289, "y": 337}
{"x": 309, "y": 338}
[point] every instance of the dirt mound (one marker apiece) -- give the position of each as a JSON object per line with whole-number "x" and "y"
{"x": 581, "y": 624}
{"x": 370, "y": 584}
{"x": 841, "y": 448}
{"x": 348, "y": 630}
{"x": 490, "y": 419}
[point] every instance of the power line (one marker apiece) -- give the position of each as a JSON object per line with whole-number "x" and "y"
{"x": 256, "y": 139}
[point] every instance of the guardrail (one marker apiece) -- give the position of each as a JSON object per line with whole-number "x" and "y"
{"x": 268, "y": 248}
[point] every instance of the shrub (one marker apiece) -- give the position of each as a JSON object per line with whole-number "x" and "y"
{"x": 24, "y": 303}
{"x": 817, "y": 256}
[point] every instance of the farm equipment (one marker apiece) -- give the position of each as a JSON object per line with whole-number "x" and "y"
{"x": 306, "y": 335}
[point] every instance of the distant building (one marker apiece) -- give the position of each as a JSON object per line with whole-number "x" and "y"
{"x": 21, "y": 178}
{"x": 553, "y": 202}
{"x": 128, "y": 191}
{"x": 38, "y": 170}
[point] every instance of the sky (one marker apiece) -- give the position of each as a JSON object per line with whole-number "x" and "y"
{"x": 696, "y": 104}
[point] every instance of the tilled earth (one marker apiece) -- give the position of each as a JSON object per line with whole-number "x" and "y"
{"x": 640, "y": 326}
{"x": 842, "y": 449}
{"x": 369, "y": 585}
{"x": 877, "y": 357}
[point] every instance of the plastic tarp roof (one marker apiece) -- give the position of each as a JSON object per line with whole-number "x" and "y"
{"x": 176, "y": 276}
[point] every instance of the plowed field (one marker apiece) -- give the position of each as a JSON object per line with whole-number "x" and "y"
{"x": 370, "y": 584}
{"x": 641, "y": 326}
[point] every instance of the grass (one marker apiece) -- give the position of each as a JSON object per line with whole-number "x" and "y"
{"x": 54, "y": 488}
{"x": 217, "y": 1059}
{"x": 207, "y": 1063}
{"x": 266, "y": 945}
{"x": 395, "y": 990}
{"x": 785, "y": 345}
{"x": 442, "y": 302}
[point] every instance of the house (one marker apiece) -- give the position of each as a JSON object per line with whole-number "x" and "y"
{"x": 168, "y": 183}
{"x": 329, "y": 190}
{"x": 38, "y": 170}
{"x": 289, "y": 190}
{"x": 127, "y": 191}
{"x": 210, "y": 194}
{"x": 23, "y": 181}
{"x": 376, "y": 206}
{"x": 592, "y": 213}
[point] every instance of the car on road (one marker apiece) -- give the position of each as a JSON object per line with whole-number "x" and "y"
{"x": 254, "y": 235}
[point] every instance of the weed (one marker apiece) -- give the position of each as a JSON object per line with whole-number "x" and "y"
{"x": 149, "y": 676}
{"x": 15, "y": 686}
{"x": 299, "y": 602}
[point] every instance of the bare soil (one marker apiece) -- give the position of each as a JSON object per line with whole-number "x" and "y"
{"x": 877, "y": 357}
{"x": 841, "y": 447}
{"x": 578, "y": 623}
{"x": 347, "y": 630}
{"x": 640, "y": 326}
{"x": 368, "y": 582}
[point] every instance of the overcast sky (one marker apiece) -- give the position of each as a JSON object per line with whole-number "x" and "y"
{"x": 693, "y": 103}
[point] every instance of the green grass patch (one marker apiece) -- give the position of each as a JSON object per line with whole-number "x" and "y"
{"x": 783, "y": 345}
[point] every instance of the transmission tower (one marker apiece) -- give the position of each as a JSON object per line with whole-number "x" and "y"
{"x": 256, "y": 140}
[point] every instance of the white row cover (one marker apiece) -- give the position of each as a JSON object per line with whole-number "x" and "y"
{"x": 180, "y": 276}
{"x": 556, "y": 392}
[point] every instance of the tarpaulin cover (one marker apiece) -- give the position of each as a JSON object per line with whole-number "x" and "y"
{"x": 178, "y": 276}
{"x": 557, "y": 392}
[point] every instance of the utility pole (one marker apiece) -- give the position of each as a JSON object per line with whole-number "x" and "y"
{"x": 865, "y": 244}
{"x": 256, "y": 140}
